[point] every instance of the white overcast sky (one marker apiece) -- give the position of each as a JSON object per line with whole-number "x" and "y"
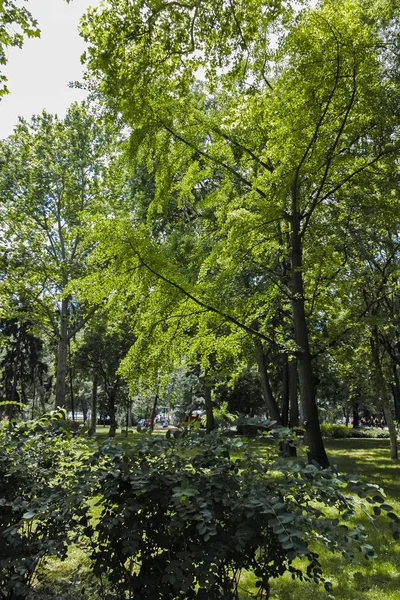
{"x": 39, "y": 73}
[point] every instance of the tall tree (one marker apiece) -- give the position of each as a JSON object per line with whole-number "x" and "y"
{"x": 51, "y": 173}
{"x": 272, "y": 142}
{"x": 99, "y": 353}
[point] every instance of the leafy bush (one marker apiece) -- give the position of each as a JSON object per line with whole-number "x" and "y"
{"x": 175, "y": 518}
{"x": 250, "y": 429}
{"x": 184, "y": 518}
{"x": 36, "y": 465}
{"x": 342, "y": 431}
{"x": 335, "y": 431}
{"x": 223, "y": 419}
{"x": 369, "y": 432}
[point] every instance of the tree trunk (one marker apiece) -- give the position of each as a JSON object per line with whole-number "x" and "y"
{"x": 305, "y": 371}
{"x": 129, "y": 416}
{"x": 71, "y": 382}
{"x": 61, "y": 371}
{"x": 356, "y": 418}
{"x": 93, "y": 416}
{"x": 285, "y": 391}
{"x": 153, "y": 412}
{"x": 293, "y": 400}
{"x": 111, "y": 410}
{"x": 396, "y": 392}
{"x": 272, "y": 407}
{"x": 384, "y": 395}
{"x": 210, "y": 423}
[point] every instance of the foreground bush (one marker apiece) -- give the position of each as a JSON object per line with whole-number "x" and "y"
{"x": 168, "y": 519}
{"x": 37, "y": 462}
{"x": 185, "y": 518}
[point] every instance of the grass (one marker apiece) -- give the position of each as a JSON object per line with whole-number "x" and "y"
{"x": 356, "y": 580}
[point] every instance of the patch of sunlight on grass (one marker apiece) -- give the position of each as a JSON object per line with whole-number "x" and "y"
{"x": 67, "y": 580}
{"x": 369, "y": 458}
{"x": 358, "y": 579}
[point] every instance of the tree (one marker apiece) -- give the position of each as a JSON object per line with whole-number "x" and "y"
{"x": 12, "y": 15}
{"x": 51, "y": 172}
{"x": 99, "y": 353}
{"x": 22, "y": 365}
{"x": 273, "y": 142}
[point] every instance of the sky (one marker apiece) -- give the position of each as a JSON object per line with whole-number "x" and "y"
{"x": 39, "y": 73}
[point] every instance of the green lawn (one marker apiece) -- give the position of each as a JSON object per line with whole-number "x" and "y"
{"x": 359, "y": 580}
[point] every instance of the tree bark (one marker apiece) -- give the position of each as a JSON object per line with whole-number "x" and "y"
{"x": 61, "y": 370}
{"x": 293, "y": 400}
{"x": 396, "y": 392}
{"x": 210, "y": 423}
{"x": 305, "y": 370}
{"x": 93, "y": 416}
{"x": 285, "y": 391}
{"x": 111, "y": 410}
{"x": 356, "y": 418}
{"x": 271, "y": 406}
{"x": 153, "y": 412}
{"x": 384, "y": 395}
{"x": 71, "y": 382}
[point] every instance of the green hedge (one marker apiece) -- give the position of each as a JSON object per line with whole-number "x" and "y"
{"x": 335, "y": 431}
{"x": 369, "y": 432}
{"x": 342, "y": 431}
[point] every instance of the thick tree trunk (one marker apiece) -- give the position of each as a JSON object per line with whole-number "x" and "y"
{"x": 129, "y": 416}
{"x": 210, "y": 423}
{"x": 293, "y": 400}
{"x": 61, "y": 371}
{"x": 271, "y": 406}
{"x": 305, "y": 371}
{"x": 384, "y": 395}
{"x": 396, "y": 392}
{"x": 356, "y": 418}
{"x": 93, "y": 416}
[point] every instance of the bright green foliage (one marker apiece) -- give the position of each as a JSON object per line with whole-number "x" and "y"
{"x": 50, "y": 179}
{"x": 50, "y": 172}
{"x": 251, "y": 153}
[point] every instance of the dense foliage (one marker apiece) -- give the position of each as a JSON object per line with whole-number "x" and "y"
{"x": 37, "y": 462}
{"x": 172, "y": 518}
{"x": 216, "y": 230}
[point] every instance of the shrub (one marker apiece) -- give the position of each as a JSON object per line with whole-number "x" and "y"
{"x": 183, "y": 518}
{"x": 250, "y": 429}
{"x": 223, "y": 419}
{"x": 369, "y": 432}
{"x": 35, "y": 467}
{"x": 335, "y": 431}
